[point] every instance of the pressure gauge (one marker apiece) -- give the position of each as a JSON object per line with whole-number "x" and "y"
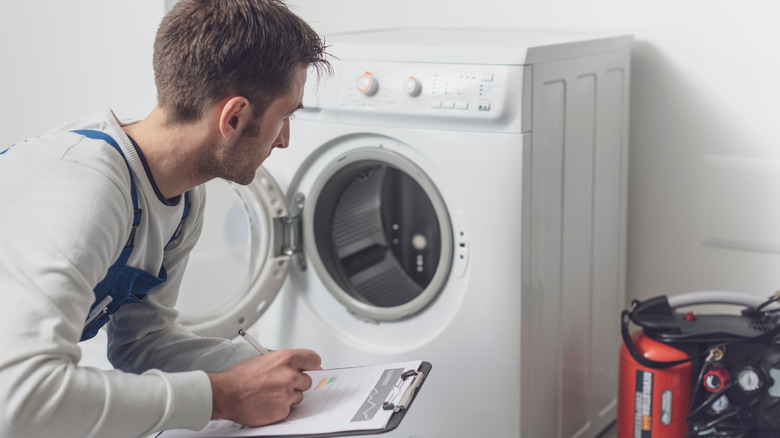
{"x": 749, "y": 379}
{"x": 720, "y": 404}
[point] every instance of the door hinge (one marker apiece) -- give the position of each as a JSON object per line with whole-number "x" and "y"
{"x": 293, "y": 232}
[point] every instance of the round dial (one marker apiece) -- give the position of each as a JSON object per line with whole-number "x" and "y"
{"x": 412, "y": 86}
{"x": 749, "y": 379}
{"x": 367, "y": 84}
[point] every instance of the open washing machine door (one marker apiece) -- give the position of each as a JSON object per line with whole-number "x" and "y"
{"x": 375, "y": 228}
{"x": 241, "y": 260}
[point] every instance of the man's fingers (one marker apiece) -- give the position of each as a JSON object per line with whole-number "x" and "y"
{"x": 303, "y": 383}
{"x": 297, "y": 398}
{"x": 308, "y": 360}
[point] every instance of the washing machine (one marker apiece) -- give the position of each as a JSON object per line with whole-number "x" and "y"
{"x": 454, "y": 196}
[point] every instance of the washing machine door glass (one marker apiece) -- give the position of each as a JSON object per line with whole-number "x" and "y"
{"x": 238, "y": 265}
{"x": 382, "y": 234}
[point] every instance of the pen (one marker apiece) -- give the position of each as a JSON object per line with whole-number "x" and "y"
{"x": 252, "y": 341}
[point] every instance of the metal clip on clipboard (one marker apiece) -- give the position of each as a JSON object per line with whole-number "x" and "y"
{"x": 403, "y": 391}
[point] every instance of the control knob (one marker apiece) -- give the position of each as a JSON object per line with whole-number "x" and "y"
{"x": 412, "y": 86}
{"x": 366, "y": 84}
{"x": 716, "y": 378}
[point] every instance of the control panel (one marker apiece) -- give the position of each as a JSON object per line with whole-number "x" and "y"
{"x": 434, "y": 90}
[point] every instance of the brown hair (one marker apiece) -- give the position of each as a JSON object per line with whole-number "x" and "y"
{"x": 206, "y": 50}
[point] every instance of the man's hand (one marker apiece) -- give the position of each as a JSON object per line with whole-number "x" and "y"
{"x": 262, "y": 389}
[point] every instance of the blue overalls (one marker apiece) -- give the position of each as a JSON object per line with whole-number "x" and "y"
{"x": 123, "y": 284}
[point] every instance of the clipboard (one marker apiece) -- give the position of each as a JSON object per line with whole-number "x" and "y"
{"x": 406, "y": 397}
{"x": 401, "y": 394}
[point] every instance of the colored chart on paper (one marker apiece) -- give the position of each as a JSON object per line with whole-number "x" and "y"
{"x": 323, "y": 382}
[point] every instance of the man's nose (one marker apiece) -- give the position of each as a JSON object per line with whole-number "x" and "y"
{"x": 283, "y": 139}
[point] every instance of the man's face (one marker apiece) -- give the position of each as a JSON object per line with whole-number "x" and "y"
{"x": 239, "y": 162}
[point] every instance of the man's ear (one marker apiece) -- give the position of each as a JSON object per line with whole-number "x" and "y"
{"x": 235, "y": 115}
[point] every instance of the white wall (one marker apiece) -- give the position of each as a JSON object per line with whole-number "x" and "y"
{"x": 65, "y": 59}
{"x": 705, "y": 82}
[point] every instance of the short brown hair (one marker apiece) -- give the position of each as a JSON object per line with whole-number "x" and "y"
{"x": 206, "y": 50}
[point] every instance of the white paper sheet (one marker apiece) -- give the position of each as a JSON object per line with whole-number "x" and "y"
{"x": 340, "y": 400}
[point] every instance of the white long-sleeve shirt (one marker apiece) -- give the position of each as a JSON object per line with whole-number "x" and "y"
{"x": 65, "y": 215}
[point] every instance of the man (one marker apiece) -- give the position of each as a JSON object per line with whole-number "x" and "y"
{"x": 97, "y": 219}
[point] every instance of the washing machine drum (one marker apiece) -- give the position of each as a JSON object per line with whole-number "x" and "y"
{"x": 375, "y": 229}
{"x": 378, "y": 237}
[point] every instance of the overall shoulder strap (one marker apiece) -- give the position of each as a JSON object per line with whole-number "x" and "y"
{"x": 105, "y": 303}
